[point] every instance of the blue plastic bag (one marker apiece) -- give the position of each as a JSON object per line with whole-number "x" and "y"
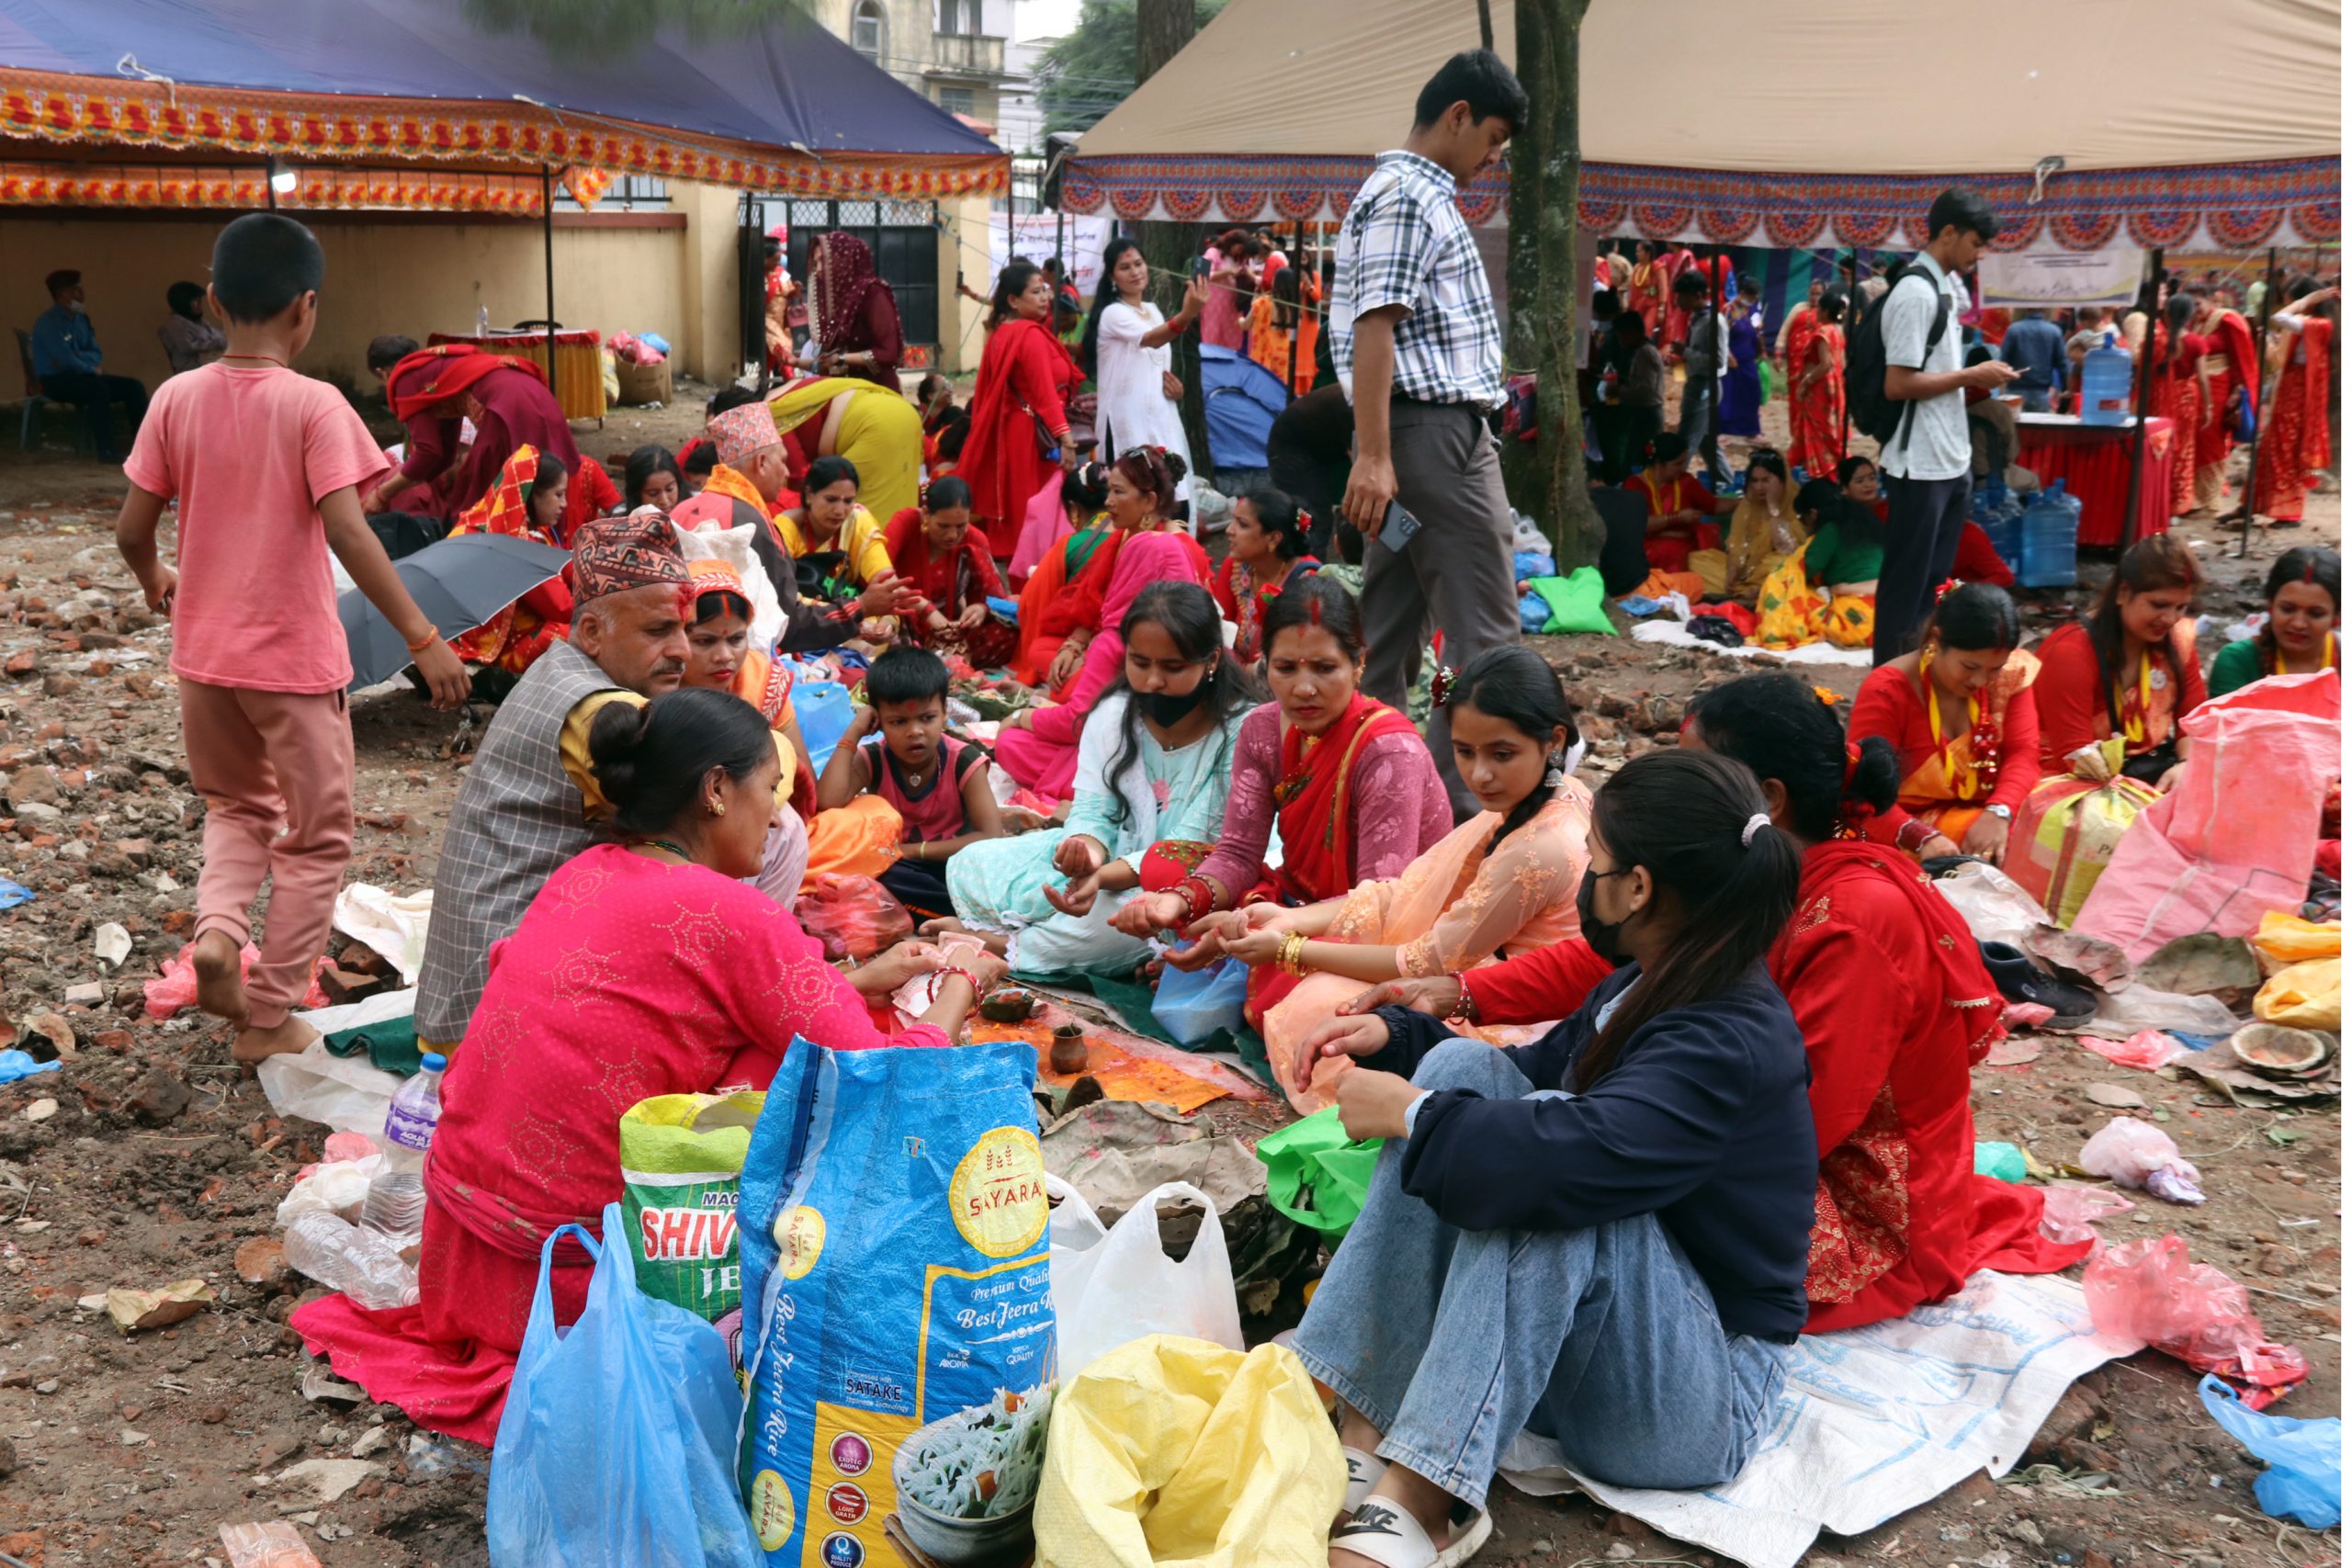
{"x": 1194, "y": 1005}
{"x": 2305, "y": 1481}
{"x": 614, "y": 1447}
{"x": 1532, "y": 613}
{"x": 892, "y": 1218}
{"x": 824, "y": 709}
{"x": 15, "y": 1064}
{"x": 1525, "y": 564}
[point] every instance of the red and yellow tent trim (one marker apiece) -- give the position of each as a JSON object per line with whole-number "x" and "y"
{"x": 198, "y": 189}
{"x": 92, "y": 111}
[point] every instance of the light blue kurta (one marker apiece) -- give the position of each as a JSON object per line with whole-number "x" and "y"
{"x": 998, "y": 884}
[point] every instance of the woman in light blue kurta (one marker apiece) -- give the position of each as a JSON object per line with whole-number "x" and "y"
{"x": 1158, "y": 774}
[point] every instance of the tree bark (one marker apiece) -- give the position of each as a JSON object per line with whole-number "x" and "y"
{"x": 1163, "y": 28}
{"x": 1543, "y": 276}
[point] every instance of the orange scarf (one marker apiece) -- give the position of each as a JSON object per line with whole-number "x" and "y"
{"x": 727, "y": 482}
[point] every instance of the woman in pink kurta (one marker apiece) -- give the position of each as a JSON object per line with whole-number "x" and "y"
{"x": 1039, "y": 746}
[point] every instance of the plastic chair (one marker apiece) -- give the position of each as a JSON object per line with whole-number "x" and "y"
{"x": 36, "y": 400}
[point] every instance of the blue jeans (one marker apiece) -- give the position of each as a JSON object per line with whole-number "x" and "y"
{"x": 1606, "y": 1339}
{"x": 2037, "y": 399}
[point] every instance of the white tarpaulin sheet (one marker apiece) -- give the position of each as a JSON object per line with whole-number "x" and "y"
{"x": 1874, "y": 1421}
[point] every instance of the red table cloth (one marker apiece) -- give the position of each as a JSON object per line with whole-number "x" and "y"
{"x": 2095, "y": 462}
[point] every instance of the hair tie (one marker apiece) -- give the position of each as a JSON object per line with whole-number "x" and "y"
{"x": 1945, "y": 587}
{"x": 1828, "y": 698}
{"x": 1747, "y": 834}
{"x": 1853, "y": 759}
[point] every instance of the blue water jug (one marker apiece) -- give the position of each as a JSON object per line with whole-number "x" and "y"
{"x": 2107, "y": 385}
{"x": 2046, "y": 555}
{"x": 2003, "y": 520}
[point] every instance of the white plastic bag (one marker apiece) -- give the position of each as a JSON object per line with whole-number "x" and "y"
{"x": 1110, "y": 1287}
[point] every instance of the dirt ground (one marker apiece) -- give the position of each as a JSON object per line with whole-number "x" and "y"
{"x": 149, "y": 1158}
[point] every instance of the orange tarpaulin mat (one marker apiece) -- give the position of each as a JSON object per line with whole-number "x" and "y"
{"x": 1124, "y": 1064}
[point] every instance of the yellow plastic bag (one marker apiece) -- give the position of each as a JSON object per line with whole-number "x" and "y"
{"x": 2304, "y": 995}
{"x": 1170, "y": 1450}
{"x": 2290, "y": 939}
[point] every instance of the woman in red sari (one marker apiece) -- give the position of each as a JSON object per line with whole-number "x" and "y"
{"x": 2295, "y": 445}
{"x": 2179, "y": 393}
{"x": 1648, "y": 289}
{"x": 435, "y": 390}
{"x": 1885, "y": 981}
{"x": 527, "y": 502}
{"x": 855, "y": 315}
{"x": 1265, "y": 552}
{"x": 934, "y": 548}
{"x": 2130, "y": 667}
{"x": 1817, "y": 389}
{"x": 1020, "y": 402}
{"x": 1962, "y": 719}
{"x": 1349, "y": 780}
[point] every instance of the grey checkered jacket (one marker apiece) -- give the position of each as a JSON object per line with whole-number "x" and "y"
{"x": 518, "y": 816}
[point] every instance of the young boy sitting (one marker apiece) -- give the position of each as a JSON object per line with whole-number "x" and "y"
{"x": 269, "y": 466}
{"x": 938, "y": 786}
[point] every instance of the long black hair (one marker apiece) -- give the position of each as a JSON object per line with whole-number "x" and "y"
{"x": 1780, "y": 728}
{"x": 1281, "y": 517}
{"x": 1085, "y": 489}
{"x": 1975, "y": 617}
{"x": 1012, "y": 283}
{"x": 1688, "y": 818}
{"x": 1106, "y": 294}
{"x": 2160, "y": 560}
{"x": 643, "y": 464}
{"x": 2315, "y": 564}
{"x": 651, "y": 760}
{"x": 1513, "y": 683}
{"x": 1186, "y": 613}
{"x": 1320, "y": 602}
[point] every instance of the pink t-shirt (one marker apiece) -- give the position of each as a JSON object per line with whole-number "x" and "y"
{"x": 249, "y": 450}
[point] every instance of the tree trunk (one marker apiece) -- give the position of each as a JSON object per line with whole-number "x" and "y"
{"x": 1163, "y": 28}
{"x": 1545, "y": 277}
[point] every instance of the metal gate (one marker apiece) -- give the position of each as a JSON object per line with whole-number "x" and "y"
{"x": 904, "y": 237}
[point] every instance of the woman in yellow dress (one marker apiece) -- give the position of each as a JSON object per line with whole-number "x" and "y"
{"x": 875, "y": 427}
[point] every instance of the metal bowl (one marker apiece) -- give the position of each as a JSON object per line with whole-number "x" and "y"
{"x": 959, "y": 1543}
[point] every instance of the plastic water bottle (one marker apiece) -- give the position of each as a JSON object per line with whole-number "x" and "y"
{"x": 364, "y": 1265}
{"x": 395, "y": 1204}
{"x": 481, "y": 321}
{"x": 2046, "y": 556}
{"x": 416, "y": 1109}
{"x": 2107, "y": 385}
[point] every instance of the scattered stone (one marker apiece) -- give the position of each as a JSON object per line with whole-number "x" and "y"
{"x": 318, "y": 1383}
{"x": 328, "y": 1479}
{"x": 375, "y": 1439}
{"x": 2116, "y": 1095}
{"x": 160, "y": 1097}
{"x": 130, "y": 1437}
{"x": 262, "y": 1262}
{"x": 41, "y": 1110}
{"x": 89, "y": 993}
{"x": 33, "y": 786}
{"x": 7, "y": 1459}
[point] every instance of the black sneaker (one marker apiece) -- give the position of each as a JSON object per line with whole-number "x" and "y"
{"x": 2022, "y": 980}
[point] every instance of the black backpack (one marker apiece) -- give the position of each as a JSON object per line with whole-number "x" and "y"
{"x": 1874, "y": 413}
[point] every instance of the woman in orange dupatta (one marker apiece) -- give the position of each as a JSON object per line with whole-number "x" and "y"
{"x": 2294, "y": 443}
{"x": 1501, "y": 883}
{"x": 1817, "y": 389}
{"x": 1960, "y": 717}
{"x": 862, "y": 837}
{"x": 526, "y": 503}
{"x": 1349, "y": 780}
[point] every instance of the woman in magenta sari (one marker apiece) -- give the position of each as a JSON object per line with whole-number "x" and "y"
{"x": 435, "y": 390}
{"x": 1039, "y": 746}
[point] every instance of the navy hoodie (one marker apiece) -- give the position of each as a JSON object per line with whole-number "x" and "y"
{"x": 1702, "y": 1120}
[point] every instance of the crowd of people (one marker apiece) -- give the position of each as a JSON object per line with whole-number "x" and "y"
{"x": 1613, "y": 1064}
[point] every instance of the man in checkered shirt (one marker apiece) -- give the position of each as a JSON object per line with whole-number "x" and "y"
{"x": 1414, "y": 340}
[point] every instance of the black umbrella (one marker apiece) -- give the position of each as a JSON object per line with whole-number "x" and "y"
{"x": 458, "y": 583}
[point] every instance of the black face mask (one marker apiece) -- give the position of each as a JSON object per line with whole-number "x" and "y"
{"x": 1601, "y": 937}
{"x": 1169, "y": 709}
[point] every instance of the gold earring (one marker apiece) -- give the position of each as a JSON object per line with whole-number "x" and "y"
{"x": 717, "y": 809}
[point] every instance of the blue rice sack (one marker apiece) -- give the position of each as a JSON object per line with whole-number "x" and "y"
{"x": 893, "y": 1219}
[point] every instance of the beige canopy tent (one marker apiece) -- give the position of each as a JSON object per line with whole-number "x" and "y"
{"x": 2204, "y": 124}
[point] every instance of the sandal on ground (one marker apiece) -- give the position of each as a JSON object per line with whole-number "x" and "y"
{"x": 1364, "y": 1471}
{"x": 2022, "y": 980}
{"x": 1380, "y": 1531}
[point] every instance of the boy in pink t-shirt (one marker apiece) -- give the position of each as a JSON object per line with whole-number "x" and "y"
{"x": 268, "y": 467}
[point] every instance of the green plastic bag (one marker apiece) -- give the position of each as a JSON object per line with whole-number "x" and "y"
{"x": 1765, "y": 373}
{"x": 1576, "y": 602}
{"x": 1316, "y": 1175}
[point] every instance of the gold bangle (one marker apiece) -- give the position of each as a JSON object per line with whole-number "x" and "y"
{"x": 1289, "y": 955}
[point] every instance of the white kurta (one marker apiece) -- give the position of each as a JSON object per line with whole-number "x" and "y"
{"x": 1131, "y": 407}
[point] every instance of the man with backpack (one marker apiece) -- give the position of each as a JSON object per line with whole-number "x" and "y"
{"x": 1906, "y": 386}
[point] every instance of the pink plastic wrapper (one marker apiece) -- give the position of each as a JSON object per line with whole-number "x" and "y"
{"x": 174, "y": 989}
{"x": 2149, "y": 1290}
{"x": 2025, "y": 1015}
{"x": 276, "y": 1544}
{"x": 2139, "y": 1154}
{"x": 341, "y": 1146}
{"x": 2068, "y": 1210}
{"x": 2150, "y": 1049}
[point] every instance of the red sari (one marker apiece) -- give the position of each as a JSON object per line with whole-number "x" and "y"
{"x": 2294, "y": 443}
{"x": 1244, "y": 601}
{"x": 2179, "y": 395}
{"x": 1025, "y": 370}
{"x": 2232, "y": 362}
{"x": 434, "y": 390}
{"x": 1817, "y": 414}
{"x": 953, "y": 582}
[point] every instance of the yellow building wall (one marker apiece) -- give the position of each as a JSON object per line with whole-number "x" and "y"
{"x": 409, "y": 275}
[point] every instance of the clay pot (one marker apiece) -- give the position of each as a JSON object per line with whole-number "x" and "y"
{"x": 1070, "y": 1049}
{"x": 1008, "y": 1005}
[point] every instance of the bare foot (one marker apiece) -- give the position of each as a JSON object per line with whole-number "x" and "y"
{"x": 220, "y": 977}
{"x": 252, "y": 1045}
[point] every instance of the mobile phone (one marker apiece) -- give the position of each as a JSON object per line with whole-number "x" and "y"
{"x": 1397, "y": 529}
{"x": 1200, "y": 266}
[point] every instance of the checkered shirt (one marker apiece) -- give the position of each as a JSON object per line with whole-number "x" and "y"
{"x": 1405, "y": 243}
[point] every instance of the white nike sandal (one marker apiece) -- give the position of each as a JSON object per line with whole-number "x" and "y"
{"x": 1364, "y": 1471}
{"x": 1386, "y": 1534}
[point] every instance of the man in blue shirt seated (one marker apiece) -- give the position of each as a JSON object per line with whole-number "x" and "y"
{"x": 68, "y": 365}
{"x": 2037, "y": 350}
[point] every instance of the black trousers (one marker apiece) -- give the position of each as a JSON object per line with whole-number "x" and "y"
{"x": 98, "y": 396}
{"x": 1924, "y": 519}
{"x": 921, "y": 885}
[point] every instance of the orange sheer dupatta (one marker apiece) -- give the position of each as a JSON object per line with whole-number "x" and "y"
{"x": 1456, "y": 907}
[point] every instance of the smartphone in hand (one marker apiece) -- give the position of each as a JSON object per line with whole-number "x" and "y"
{"x": 1397, "y": 529}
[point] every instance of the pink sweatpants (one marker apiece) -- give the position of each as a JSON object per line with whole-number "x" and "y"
{"x": 275, "y": 770}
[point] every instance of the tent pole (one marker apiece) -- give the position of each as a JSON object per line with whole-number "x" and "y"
{"x": 2261, "y": 363}
{"x": 2151, "y": 290}
{"x": 1715, "y": 394}
{"x": 546, "y": 238}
